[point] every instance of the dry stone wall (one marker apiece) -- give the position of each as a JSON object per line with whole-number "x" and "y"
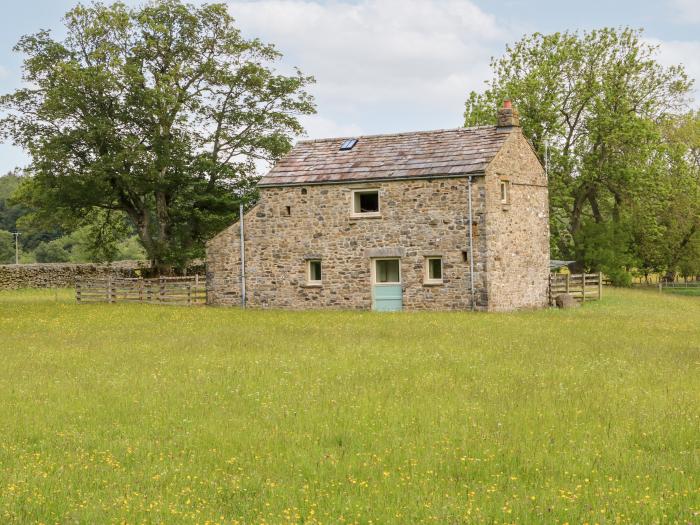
{"x": 60, "y": 275}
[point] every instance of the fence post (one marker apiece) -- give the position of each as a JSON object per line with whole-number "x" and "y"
{"x": 196, "y": 286}
{"x": 600, "y": 285}
{"x": 161, "y": 289}
{"x": 567, "y": 282}
{"x": 583, "y": 287}
{"x": 77, "y": 290}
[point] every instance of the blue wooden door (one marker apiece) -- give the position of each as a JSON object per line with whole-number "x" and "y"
{"x": 387, "y": 297}
{"x": 387, "y": 294}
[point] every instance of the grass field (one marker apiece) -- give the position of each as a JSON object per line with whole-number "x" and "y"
{"x": 693, "y": 292}
{"x": 147, "y": 414}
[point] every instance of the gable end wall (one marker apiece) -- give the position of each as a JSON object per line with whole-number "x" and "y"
{"x": 517, "y": 261}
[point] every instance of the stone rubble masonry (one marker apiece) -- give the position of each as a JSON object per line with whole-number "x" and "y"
{"x": 418, "y": 218}
{"x": 517, "y": 232}
{"x": 60, "y": 275}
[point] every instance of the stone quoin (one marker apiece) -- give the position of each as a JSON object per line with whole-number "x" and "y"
{"x": 382, "y": 222}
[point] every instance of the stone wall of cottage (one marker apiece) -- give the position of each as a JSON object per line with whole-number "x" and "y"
{"x": 291, "y": 225}
{"x": 517, "y": 232}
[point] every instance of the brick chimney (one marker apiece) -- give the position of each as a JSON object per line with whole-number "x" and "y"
{"x": 508, "y": 116}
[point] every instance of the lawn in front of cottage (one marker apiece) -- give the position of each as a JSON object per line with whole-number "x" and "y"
{"x": 141, "y": 413}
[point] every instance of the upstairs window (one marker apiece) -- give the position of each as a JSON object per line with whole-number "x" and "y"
{"x": 365, "y": 201}
{"x": 314, "y": 272}
{"x": 505, "y": 192}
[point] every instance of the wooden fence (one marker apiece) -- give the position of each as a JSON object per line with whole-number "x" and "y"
{"x": 679, "y": 285}
{"x": 182, "y": 291}
{"x": 582, "y": 286}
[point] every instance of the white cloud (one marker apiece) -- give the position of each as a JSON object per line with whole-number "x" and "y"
{"x": 685, "y": 53}
{"x": 380, "y": 65}
{"x": 688, "y": 11}
{"x": 318, "y": 126}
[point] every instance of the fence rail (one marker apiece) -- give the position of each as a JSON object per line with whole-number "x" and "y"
{"x": 679, "y": 284}
{"x": 182, "y": 291}
{"x": 581, "y": 286}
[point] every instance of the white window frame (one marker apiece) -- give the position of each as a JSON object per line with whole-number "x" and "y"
{"x": 374, "y": 271}
{"x": 354, "y": 200}
{"x": 427, "y": 279}
{"x": 309, "y": 280}
{"x": 504, "y": 188}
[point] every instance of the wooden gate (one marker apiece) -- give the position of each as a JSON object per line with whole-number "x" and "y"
{"x": 182, "y": 291}
{"x": 581, "y": 286}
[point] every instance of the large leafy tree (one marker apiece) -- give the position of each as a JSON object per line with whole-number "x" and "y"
{"x": 154, "y": 115}
{"x": 592, "y": 103}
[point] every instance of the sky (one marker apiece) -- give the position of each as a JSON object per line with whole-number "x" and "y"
{"x": 385, "y": 66}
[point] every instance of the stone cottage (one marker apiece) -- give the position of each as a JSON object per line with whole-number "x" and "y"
{"x": 435, "y": 220}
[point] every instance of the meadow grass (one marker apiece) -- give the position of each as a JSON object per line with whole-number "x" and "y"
{"x": 148, "y": 414}
{"x": 693, "y": 292}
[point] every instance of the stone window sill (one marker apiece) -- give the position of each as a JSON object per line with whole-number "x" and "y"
{"x": 312, "y": 285}
{"x": 433, "y": 283}
{"x": 354, "y": 216}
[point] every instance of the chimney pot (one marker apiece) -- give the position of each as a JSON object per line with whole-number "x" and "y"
{"x": 507, "y": 104}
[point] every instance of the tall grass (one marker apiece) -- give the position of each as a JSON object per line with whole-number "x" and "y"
{"x": 147, "y": 414}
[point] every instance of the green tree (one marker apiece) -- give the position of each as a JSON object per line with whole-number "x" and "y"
{"x": 155, "y": 115}
{"x": 7, "y": 247}
{"x": 51, "y": 252}
{"x": 594, "y": 101}
{"x": 10, "y": 212}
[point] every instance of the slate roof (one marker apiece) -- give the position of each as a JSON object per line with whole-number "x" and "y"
{"x": 421, "y": 154}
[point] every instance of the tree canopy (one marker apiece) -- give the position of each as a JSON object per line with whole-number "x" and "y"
{"x": 610, "y": 119}
{"x": 149, "y": 120}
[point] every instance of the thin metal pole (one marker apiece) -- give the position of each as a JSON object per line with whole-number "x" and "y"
{"x": 471, "y": 243}
{"x": 240, "y": 220}
{"x": 16, "y": 234}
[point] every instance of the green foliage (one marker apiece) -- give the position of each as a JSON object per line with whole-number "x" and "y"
{"x": 154, "y": 115}
{"x": 607, "y": 247}
{"x": 9, "y": 211}
{"x": 7, "y": 247}
{"x": 141, "y": 414}
{"x": 51, "y": 252}
{"x": 605, "y": 110}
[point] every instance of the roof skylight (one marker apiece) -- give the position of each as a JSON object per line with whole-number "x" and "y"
{"x": 348, "y": 144}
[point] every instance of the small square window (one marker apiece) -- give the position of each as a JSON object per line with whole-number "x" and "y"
{"x": 433, "y": 270}
{"x": 314, "y": 272}
{"x": 287, "y": 211}
{"x": 365, "y": 201}
{"x": 505, "y": 192}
